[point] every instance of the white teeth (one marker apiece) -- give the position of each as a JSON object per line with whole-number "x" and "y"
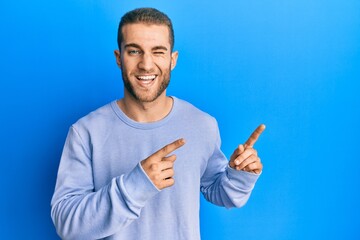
{"x": 147, "y": 77}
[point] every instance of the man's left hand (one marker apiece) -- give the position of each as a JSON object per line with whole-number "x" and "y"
{"x": 245, "y": 157}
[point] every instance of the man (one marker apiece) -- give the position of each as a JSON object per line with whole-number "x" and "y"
{"x": 133, "y": 168}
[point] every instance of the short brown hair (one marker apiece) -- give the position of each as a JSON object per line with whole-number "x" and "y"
{"x": 148, "y": 16}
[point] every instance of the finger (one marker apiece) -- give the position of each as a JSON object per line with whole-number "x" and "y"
{"x": 254, "y": 136}
{"x": 247, "y": 161}
{"x": 255, "y": 167}
{"x": 171, "y": 158}
{"x": 239, "y": 150}
{"x": 247, "y": 153}
{"x": 170, "y": 148}
{"x": 168, "y": 173}
{"x": 163, "y": 165}
{"x": 257, "y": 171}
{"x": 167, "y": 183}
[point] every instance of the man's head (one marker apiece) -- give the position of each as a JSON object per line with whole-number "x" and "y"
{"x": 145, "y": 55}
{"x": 150, "y": 16}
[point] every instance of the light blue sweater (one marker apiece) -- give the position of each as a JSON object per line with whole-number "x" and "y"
{"x": 103, "y": 192}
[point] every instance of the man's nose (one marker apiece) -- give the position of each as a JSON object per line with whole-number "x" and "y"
{"x": 147, "y": 62}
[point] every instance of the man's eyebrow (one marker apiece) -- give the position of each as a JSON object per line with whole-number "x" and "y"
{"x": 160, "y": 48}
{"x": 132, "y": 45}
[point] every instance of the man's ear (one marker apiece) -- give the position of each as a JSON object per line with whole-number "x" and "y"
{"x": 118, "y": 57}
{"x": 174, "y": 57}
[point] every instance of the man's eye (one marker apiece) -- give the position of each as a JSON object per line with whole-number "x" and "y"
{"x": 134, "y": 52}
{"x": 159, "y": 53}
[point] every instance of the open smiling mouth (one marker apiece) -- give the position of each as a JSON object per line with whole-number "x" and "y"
{"x": 146, "y": 80}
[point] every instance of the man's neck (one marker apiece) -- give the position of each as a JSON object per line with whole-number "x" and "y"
{"x": 146, "y": 112}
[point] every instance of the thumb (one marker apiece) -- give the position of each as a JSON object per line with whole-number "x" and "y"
{"x": 239, "y": 150}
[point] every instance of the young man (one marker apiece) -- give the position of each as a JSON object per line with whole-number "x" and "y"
{"x": 134, "y": 168}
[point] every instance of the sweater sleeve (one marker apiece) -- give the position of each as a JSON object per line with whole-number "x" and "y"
{"x": 223, "y": 185}
{"x": 79, "y": 212}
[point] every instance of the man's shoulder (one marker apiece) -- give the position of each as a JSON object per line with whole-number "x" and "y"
{"x": 96, "y": 117}
{"x": 188, "y": 110}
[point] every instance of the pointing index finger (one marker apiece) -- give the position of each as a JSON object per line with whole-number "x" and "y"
{"x": 163, "y": 152}
{"x": 254, "y": 136}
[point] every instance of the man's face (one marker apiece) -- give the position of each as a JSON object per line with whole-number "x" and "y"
{"x": 146, "y": 60}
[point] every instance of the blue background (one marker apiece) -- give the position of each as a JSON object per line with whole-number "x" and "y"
{"x": 291, "y": 64}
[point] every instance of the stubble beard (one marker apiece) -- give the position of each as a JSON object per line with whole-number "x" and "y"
{"x": 146, "y": 98}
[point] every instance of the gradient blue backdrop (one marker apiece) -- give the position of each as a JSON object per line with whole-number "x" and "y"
{"x": 292, "y": 64}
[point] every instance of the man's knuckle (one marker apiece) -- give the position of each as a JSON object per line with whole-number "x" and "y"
{"x": 165, "y": 149}
{"x": 154, "y": 167}
{"x": 157, "y": 178}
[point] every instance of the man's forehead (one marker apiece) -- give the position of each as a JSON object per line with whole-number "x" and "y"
{"x": 145, "y": 32}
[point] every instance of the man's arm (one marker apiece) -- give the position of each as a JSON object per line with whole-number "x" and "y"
{"x": 229, "y": 184}
{"x": 79, "y": 212}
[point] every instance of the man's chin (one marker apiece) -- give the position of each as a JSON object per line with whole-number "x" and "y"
{"x": 147, "y": 95}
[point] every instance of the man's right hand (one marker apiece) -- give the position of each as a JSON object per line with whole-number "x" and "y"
{"x": 159, "y": 167}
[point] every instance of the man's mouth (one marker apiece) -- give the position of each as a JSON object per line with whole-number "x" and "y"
{"x": 146, "y": 80}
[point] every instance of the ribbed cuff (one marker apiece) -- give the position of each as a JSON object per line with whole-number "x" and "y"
{"x": 241, "y": 179}
{"x": 138, "y": 186}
